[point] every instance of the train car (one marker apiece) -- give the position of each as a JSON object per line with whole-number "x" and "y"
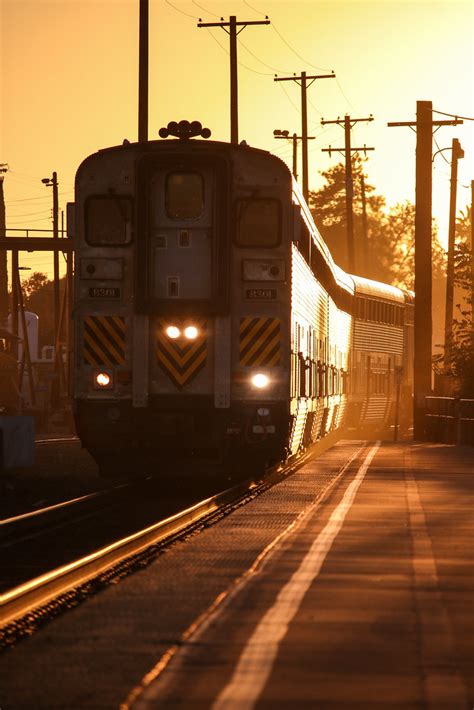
{"x": 382, "y": 371}
{"x": 211, "y": 321}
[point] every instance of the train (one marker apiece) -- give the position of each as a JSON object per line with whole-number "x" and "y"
{"x": 211, "y": 322}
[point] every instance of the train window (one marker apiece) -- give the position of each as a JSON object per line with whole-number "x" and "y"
{"x": 108, "y": 220}
{"x": 184, "y": 195}
{"x": 258, "y": 223}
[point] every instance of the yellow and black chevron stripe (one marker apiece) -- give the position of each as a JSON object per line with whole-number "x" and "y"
{"x": 104, "y": 340}
{"x": 260, "y": 342}
{"x": 181, "y": 359}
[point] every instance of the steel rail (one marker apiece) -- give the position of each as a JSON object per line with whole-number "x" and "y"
{"x": 23, "y": 599}
{"x": 54, "y": 508}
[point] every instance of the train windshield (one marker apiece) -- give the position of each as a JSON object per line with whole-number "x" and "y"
{"x": 108, "y": 220}
{"x": 258, "y": 223}
{"x": 184, "y": 195}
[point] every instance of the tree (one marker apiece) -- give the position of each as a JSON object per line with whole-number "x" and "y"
{"x": 461, "y": 363}
{"x": 38, "y": 294}
{"x": 389, "y": 247}
{"x": 328, "y": 206}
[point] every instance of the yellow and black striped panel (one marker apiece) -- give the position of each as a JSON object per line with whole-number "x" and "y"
{"x": 104, "y": 340}
{"x": 181, "y": 359}
{"x": 260, "y": 342}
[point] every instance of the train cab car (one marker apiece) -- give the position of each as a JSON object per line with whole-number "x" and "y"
{"x": 183, "y": 287}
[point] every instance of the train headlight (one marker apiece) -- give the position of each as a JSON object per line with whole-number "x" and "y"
{"x": 173, "y": 332}
{"x": 260, "y": 381}
{"x": 103, "y": 380}
{"x": 191, "y": 332}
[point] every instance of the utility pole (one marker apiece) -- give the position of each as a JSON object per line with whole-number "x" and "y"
{"x": 277, "y": 133}
{"x": 143, "y": 73}
{"x": 348, "y": 122}
{"x": 303, "y": 82}
{"x": 3, "y": 255}
{"x": 457, "y": 153}
{"x": 53, "y": 182}
{"x": 365, "y": 230}
{"x": 423, "y": 267}
{"x": 233, "y": 32}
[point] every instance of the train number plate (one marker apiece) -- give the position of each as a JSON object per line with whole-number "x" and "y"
{"x": 260, "y": 294}
{"x": 104, "y": 292}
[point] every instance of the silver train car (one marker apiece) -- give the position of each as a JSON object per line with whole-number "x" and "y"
{"x": 211, "y": 322}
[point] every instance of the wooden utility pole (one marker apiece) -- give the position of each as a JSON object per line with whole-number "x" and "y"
{"x": 348, "y": 122}
{"x": 3, "y": 256}
{"x": 53, "y": 182}
{"x": 423, "y": 267}
{"x": 143, "y": 73}
{"x": 303, "y": 82}
{"x": 365, "y": 230}
{"x": 233, "y": 32}
{"x": 277, "y": 133}
{"x": 457, "y": 153}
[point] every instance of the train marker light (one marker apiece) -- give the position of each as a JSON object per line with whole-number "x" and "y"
{"x": 191, "y": 332}
{"x": 173, "y": 332}
{"x": 260, "y": 381}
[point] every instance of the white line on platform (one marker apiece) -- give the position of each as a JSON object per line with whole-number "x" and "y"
{"x": 257, "y": 659}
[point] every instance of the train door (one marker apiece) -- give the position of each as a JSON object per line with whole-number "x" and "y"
{"x": 182, "y": 224}
{"x": 181, "y": 233}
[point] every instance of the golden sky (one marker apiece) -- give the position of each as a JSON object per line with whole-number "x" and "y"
{"x": 69, "y": 71}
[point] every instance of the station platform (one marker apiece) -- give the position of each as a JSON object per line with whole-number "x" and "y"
{"x": 348, "y": 585}
{"x": 367, "y": 603}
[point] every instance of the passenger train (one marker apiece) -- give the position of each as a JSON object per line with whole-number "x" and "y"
{"x": 211, "y": 321}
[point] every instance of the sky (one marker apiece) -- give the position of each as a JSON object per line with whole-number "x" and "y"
{"x": 69, "y": 86}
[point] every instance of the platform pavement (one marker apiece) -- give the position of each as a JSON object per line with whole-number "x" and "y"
{"x": 381, "y": 616}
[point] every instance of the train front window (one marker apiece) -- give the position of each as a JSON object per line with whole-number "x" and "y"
{"x": 258, "y": 223}
{"x": 108, "y": 220}
{"x": 184, "y": 195}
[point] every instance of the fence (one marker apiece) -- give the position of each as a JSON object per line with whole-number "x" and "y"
{"x": 449, "y": 420}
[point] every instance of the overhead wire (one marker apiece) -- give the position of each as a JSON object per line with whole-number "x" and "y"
{"x": 181, "y": 11}
{"x": 255, "y": 71}
{"x": 32, "y": 214}
{"x": 39, "y": 219}
{"x": 454, "y": 115}
{"x": 205, "y": 10}
{"x": 261, "y": 60}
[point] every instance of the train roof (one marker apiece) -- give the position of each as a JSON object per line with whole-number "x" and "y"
{"x": 171, "y": 143}
{"x": 377, "y": 289}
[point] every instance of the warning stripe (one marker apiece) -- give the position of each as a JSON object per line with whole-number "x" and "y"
{"x": 104, "y": 340}
{"x": 180, "y": 358}
{"x": 260, "y": 342}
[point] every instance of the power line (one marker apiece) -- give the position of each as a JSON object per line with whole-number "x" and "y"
{"x": 181, "y": 11}
{"x": 241, "y": 64}
{"x": 260, "y": 60}
{"x": 290, "y": 99}
{"x": 203, "y": 8}
{"x": 32, "y": 214}
{"x": 453, "y": 115}
{"x": 254, "y": 9}
{"x": 297, "y": 53}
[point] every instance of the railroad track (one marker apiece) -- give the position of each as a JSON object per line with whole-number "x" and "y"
{"x": 35, "y": 601}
